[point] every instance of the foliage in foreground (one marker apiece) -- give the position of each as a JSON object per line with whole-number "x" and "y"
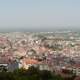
{"x": 30, "y": 74}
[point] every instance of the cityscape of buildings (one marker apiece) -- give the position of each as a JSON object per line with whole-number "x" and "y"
{"x": 52, "y": 51}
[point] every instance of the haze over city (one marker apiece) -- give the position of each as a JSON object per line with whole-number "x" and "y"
{"x": 39, "y": 39}
{"x": 39, "y": 15}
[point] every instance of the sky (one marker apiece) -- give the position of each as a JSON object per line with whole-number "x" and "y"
{"x": 39, "y": 15}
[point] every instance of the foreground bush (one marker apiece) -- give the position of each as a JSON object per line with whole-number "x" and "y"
{"x": 30, "y": 74}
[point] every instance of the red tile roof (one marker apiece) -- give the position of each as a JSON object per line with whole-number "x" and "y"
{"x": 30, "y": 61}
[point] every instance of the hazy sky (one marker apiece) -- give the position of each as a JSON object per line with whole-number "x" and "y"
{"x": 36, "y": 14}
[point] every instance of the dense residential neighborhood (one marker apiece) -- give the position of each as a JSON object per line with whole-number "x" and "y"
{"x": 50, "y": 51}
